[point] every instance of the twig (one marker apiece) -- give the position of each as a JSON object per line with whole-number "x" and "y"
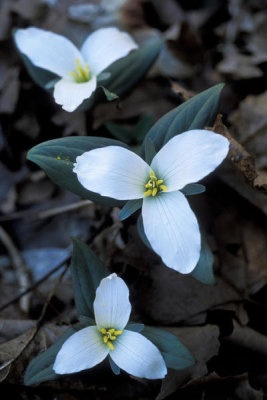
{"x": 46, "y": 213}
{"x": 35, "y": 284}
{"x": 55, "y": 269}
{"x": 19, "y": 266}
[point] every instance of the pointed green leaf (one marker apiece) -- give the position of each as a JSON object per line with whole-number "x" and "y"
{"x": 87, "y": 272}
{"x": 150, "y": 150}
{"x": 119, "y": 132}
{"x": 127, "y": 72}
{"x": 135, "y": 327}
{"x": 193, "y": 188}
{"x": 175, "y": 354}
{"x": 40, "y": 368}
{"x": 140, "y": 228}
{"x": 204, "y": 271}
{"x": 115, "y": 369}
{"x": 129, "y": 208}
{"x": 110, "y": 96}
{"x": 196, "y": 113}
{"x": 56, "y": 158}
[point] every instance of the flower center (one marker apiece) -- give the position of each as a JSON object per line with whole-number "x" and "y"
{"x": 81, "y": 73}
{"x": 154, "y": 186}
{"x": 109, "y": 335}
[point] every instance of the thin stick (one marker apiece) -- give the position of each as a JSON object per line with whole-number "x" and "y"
{"x": 20, "y": 267}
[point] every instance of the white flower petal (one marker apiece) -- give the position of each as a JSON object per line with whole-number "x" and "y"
{"x": 113, "y": 171}
{"x": 70, "y": 94}
{"x": 105, "y": 46}
{"x": 138, "y": 356}
{"x": 48, "y": 50}
{"x": 189, "y": 157}
{"x": 82, "y": 350}
{"x": 172, "y": 230}
{"x": 111, "y": 306}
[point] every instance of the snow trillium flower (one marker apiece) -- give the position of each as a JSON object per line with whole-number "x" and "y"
{"x": 130, "y": 351}
{"x": 169, "y": 223}
{"x": 78, "y": 69}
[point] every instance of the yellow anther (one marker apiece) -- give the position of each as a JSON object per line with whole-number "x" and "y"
{"x": 154, "y": 186}
{"x": 81, "y": 73}
{"x": 154, "y": 191}
{"x": 148, "y": 193}
{"x": 110, "y": 335}
{"x": 164, "y": 188}
{"x": 110, "y": 345}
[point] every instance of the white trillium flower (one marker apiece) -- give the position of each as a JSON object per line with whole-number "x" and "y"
{"x": 130, "y": 351}
{"x": 169, "y": 223}
{"x": 78, "y": 69}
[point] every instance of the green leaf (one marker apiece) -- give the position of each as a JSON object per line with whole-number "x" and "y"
{"x": 127, "y": 135}
{"x": 56, "y": 158}
{"x": 135, "y": 327}
{"x": 140, "y": 229}
{"x": 193, "y": 188}
{"x": 196, "y": 113}
{"x": 40, "y": 368}
{"x": 129, "y": 208}
{"x": 150, "y": 150}
{"x": 115, "y": 369}
{"x": 143, "y": 126}
{"x": 175, "y": 354}
{"x": 87, "y": 272}
{"x": 119, "y": 132}
{"x": 127, "y": 72}
{"x": 203, "y": 271}
{"x": 86, "y": 321}
{"x": 110, "y": 96}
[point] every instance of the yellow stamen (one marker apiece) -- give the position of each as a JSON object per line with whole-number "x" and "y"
{"x": 110, "y": 345}
{"x": 154, "y": 191}
{"x": 148, "y": 193}
{"x": 81, "y": 73}
{"x": 164, "y": 188}
{"x": 154, "y": 186}
{"x": 110, "y": 335}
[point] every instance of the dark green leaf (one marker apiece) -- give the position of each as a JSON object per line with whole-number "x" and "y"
{"x": 134, "y": 327}
{"x": 175, "y": 354}
{"x": 40, "y": 368}
{"x": 140, "y": 228}
{"x": 56, "y": 158}
{"x": 142, "y": 127}
{"x": 193, "y": 188}
{"x": 86, "y": 321}
{"x": 150, "y": 150}
{"x": 197, "y": 113}
{"x": 87, "y": 272}
{"x": 119, "y": 132}
{"x": 115, "y": 369}
{"x": 110, "y": 96}
{"x": 129, "y": 208}
{"x": 127, "y": 72}
{"x": 203, "y": 271}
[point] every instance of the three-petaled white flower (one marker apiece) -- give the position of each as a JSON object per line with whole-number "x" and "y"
{"x": 130, "y": 351}
{"x": 169, "y": 223}
{"x": 78, "y": 69}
